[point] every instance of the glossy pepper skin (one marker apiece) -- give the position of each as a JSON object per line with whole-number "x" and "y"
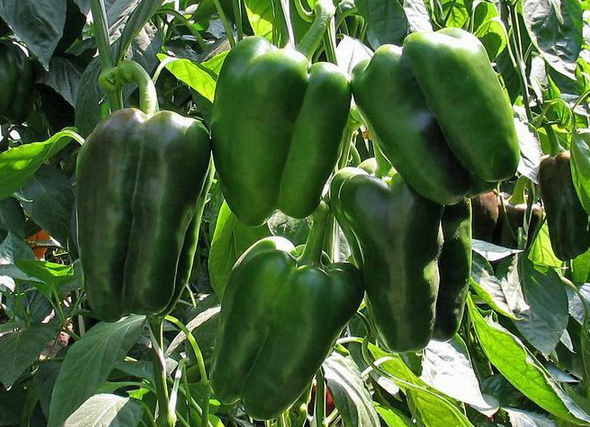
{"x": 16, "y": 83}
{"x": 453, "y": 70}
{"x": 278, "y": 322}
{"x": 396, "y": 112}
{"x": 139, "y": 183}
{"x": 569, "y": 224}
{"x": 400, "y": 239}
{"x": 276, "y": 127}
{"x": 454, "y": 267}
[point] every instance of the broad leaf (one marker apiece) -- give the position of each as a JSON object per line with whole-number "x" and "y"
{"x": 545, "y": 320}
{"x": 64, "y": 77}
{"x": 455, "y": 13}
{"x": 555, "y": 27}
{"x": 230, "y": 240}
{"x": 49, "y": 200}
{"x": 39, "y": 23}
{"x": 201, "y": 77}
{"x": 386, "y": 21}
{"x": 107, "y": 410}
{"x": 393, "y": 417}
{"x": 417, "y": 15}
{"x": 18, "y": 165}
{"x": 429, "y": 405}
{"x": 488, "y": 287}
{"x": 541, "y": 252}
{"x": 12, "y": 218}
{"x": 89, "y": 362}
{"x": 447, "y": 367}
{"x": 350, "y": 394}
{"x": 261, "y": 17}
{"x": 18, "y": 350}
{"x": 518, "y": 365}
{"x": 351, "y": 51}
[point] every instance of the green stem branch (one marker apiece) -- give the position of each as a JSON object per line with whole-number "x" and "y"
{"x": 324, "y": 12}
{"x": 165, "y": 418}
{"x": 130, "y": 72}
{"x": 314, "y": 245}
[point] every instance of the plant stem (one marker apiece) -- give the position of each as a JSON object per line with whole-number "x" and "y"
{"x": 165, "y": 417}
{"x": 225, "y": 22}
{"x": 130, "y": 72}
{"x": 101, "y": 35}
{"x": 324, "y": 12}
{"x": 200, "y": 363}
{"x": 319, "y": 412}
{"x": 314, "y": 245}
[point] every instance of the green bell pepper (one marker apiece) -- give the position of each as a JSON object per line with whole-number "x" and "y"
{"x": 461, "y": 87}
{"x": 450, "y": 137}
{"x": 16, "y": 83}
{"x": 276, "y": 127}
{"x": 139, "y": 199}
{"x": 399, "y": 239}
{"x": 569, "y": 224}
{"x": 454, "y": 267}
{"x": 280, "y": 317}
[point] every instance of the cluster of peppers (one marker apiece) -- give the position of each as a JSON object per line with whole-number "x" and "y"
{"x": 436, "y": 111}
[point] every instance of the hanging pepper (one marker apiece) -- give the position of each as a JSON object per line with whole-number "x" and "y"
{"x": 16, "y": 83}
{"x": 455, "y": 269}
{"x": 280, "y": 317}
{"x": 439, "y": 113}
{"x": 276, "y": 128}
{"x": 569, "y": 224}
{"x": 399, "y": 241}
{"x": 138, "y": 183}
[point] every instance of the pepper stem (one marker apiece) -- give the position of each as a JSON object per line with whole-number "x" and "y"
{"x": 324, "y": 11}
{"x": 130, "y": 72}
{"x": 166, "y": 416}
{"x": 314, "y": 245}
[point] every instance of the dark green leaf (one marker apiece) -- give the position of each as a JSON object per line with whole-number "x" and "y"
{"x": 49, "y": 200}
{"x": 88, "y": 103}
{"x": 555, "y": 27}
{"x": 89, "y": 362}
{"x": 64, "y": 77}
{"x": 106, "y": 410}
{"x": 351, "y": 397}
{"x": 18, "y": 350}
{"x": 386, "y": 20}
{"x": 18, "y": 165}
{"x": 230, "y": 240}
{"x": 545, "y": 321}
{"x": 39, "y": 23}
{"x": 12, "y": 218}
